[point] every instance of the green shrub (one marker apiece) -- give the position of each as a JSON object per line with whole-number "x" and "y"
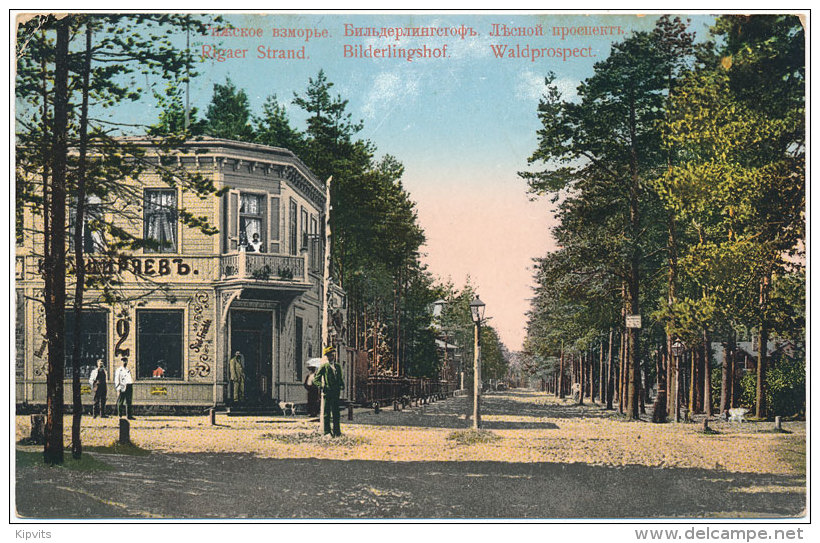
{"x": 785, "y": 390}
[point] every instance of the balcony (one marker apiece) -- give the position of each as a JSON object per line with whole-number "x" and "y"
{"x": 262, "y": 267}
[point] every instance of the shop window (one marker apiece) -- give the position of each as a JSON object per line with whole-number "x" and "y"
{"x": 159, "y": 344}
{"x": 160, "y": 220}
{"x": 93, "y": 342}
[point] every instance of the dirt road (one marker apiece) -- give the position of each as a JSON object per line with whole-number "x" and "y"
{"x": 541, "y": 458}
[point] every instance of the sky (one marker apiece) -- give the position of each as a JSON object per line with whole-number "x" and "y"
{"x": 462, "y": 124}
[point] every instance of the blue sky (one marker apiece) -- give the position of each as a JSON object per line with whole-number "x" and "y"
{"x": 463, "y": 126}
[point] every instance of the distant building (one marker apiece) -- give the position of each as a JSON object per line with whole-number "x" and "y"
{"x": 193, "y": 300}
{"x": 746, "y": 352}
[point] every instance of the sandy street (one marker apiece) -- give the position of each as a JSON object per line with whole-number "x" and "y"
{"x": 541, "y": 458}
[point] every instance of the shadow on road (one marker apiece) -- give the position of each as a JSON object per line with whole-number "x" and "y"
{"x": 241, "y": 486}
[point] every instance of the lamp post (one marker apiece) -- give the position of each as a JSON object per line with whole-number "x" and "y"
{"x": 678, "y": 347}
{"x": 477, "y": 311}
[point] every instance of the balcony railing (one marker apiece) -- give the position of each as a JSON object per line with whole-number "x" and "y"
{"x": 262, "y": 267}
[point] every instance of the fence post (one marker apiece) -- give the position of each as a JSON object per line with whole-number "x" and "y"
{"x": 125, "y": 432}
{"x": 212, "y": 416}
{"x": 350, "y": 411}
{"x": 38, "y": 423}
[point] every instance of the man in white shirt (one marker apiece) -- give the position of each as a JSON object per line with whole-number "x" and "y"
{"x": 124, "y": 384}
{"x": 97, "y": 380}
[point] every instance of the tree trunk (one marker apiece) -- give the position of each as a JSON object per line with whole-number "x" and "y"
{"x": 762, "y": 349}
{"x": 732, "y": 370}
{"x": 692, "y": 381}
{"x": 591, "y": 374}
{"x": 79, "y": 259}
{"x": 725, "y": 381}
{"x": 561, "y": 372}
{"x": 622, "y": 372}
{"x": 707, "y": 374}
{"x": 601, "y": 386}
{"x": 633, "y": 284}
{"x": 581, "y": 379}
{"x": 55, "y": 268}
{"x": 609, "y": 382}
{"x": 659, "y": 412}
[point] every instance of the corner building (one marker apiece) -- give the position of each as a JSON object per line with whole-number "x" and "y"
{"x": 187, "y": 304}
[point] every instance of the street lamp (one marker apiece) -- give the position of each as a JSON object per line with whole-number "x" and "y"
{"x": 477, "y": 310}
{"x": 678, "y": 348}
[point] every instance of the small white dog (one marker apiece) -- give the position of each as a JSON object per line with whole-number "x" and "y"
{"x": 738, "y": 414}
{"x": 287, "y": 406}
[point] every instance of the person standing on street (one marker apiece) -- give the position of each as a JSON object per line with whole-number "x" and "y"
{"x": 236, "y": 368}
{"x": 329, "y": 380}
{"x": 124, "y": 384}
{"x": 312, "y": 393}
{"x": 99, "y": 387}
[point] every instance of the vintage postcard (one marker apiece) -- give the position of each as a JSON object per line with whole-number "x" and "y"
{"x": 417, "y": 266}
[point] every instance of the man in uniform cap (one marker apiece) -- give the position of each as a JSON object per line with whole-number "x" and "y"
{"x": 329, "y": 380}
{"x": 236, "y": 369}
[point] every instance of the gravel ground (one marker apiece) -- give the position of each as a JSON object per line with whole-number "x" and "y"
{"x": 540, "y": 458}
{"x": 530, "y": 427}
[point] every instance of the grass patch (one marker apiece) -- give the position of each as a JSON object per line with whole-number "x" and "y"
{"x": 118, "y": 448}
{"x": 793, "y": 452}
{"x": 472, "y": 437}
{"x": 315, "y": 438}
{"x": 27, "y": 459}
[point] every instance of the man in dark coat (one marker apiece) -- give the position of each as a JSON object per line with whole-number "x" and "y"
{"x": 99, "y": 387}
{"x": 330, "y": 382}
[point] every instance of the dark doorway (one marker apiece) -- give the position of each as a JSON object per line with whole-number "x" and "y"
{"x": 251, "y": 334}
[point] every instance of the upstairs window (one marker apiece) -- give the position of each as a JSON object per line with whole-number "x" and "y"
{"x": 93, "y": 240}
{"x": 293, "y": 234}
{"x": 252, "y": 222}
{"x": 160, "y": 220}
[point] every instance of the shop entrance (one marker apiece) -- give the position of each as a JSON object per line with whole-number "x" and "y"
{"x": 252, "y": 335}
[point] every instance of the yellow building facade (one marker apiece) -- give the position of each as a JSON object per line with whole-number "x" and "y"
{"x": 189, "y": 301}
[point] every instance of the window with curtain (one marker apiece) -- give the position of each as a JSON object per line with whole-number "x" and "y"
{"x": 93, "y": 240}
{"x": 251, "y": 220}
{"x": 160, "y": 220}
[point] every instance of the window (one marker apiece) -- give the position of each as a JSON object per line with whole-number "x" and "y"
{"x": 315, "y": 246}
{"x": 294, "y": 225}
{"x": 303, "y": 228}
{"x": 252, "y": 222}
{"x": 93, "y": 342}
{"x": 160, "y": 220}
{"x": 93, "y": 241}
{"x": 159, "y": 343}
